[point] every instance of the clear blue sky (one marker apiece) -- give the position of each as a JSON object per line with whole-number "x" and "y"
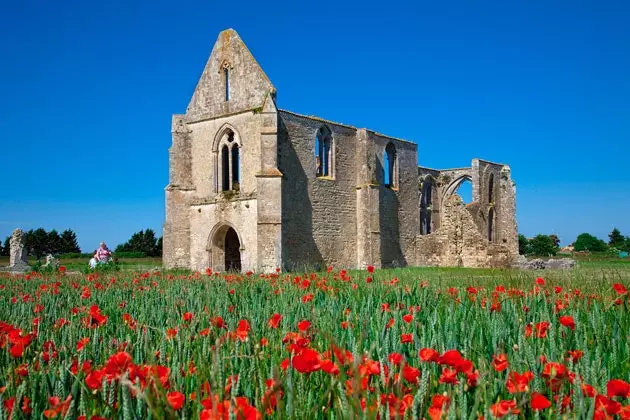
{"x": 87, "y": 90}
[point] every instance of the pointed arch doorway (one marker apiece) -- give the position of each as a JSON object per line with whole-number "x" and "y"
{"x": 225, "y": 249}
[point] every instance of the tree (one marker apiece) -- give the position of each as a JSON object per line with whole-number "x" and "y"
{"x": 616, "y": 239}
{"x": 69, "y": 242}
{"x": 159, "y": 247}
{"x": 6, "y": 248}
{"x": 36, "y": 242}
{"x": 53, "y": 244}
{"x": 587, "y": 242}
{"x": 523, "y": 245}
{"x": 143, "y": 241}
{"x": 556, "y": 240}
{"x": 543, "y": 245}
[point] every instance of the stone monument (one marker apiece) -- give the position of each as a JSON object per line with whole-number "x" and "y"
{"x": 17, "y": 259}
{"x": 51, "y": 262}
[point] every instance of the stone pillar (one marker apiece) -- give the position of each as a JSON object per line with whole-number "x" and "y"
{"x": 368, "y": 204}
{"x": 18, "y": 260}
{"x": 507, "y": 229}
{"x": 269, "y": 192}
{"x": 176, "y": 247}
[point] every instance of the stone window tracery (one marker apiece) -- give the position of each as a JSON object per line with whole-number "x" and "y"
{"x": 229, "y": 162}
{"x": 324, "y": 154}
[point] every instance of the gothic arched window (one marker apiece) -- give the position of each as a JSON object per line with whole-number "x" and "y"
{"x": 324, "y": 155}
{"x": 229, "y": 162}
{"x": 390, "y": 166}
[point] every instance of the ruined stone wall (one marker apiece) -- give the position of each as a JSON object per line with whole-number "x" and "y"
{"x": 398, "y": 204}
{"x": 498, "y": 204}
{"x": 318, "y": 213}
{"x": 285, "y": 215}
{"x": 458, "y": 242}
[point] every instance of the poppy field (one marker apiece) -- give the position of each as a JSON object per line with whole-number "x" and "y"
{"x": 408, "y": 343}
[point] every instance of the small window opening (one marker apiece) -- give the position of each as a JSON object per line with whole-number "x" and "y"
{"x": 491, "y": 189}
{"x": 226, "y": 74}
{"x": 235, "y": 168}
{"x": 491, "y": 225}
{"x": 225, "y": 168}
{"x": 426, "y": 206}
{"x": 389, "y": 166}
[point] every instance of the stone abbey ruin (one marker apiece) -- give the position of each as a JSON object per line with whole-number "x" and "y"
{"x": 254, "y": 187}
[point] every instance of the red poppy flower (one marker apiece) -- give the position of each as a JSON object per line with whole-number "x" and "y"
{"x": 500, "y": 362}
{"x": 82, "y": 343}
{"x": 329, "y": 366}
{"x": 539, "y": 401}
{"x": 411, "y": 374}
{"x": 406, "y": 338}
{"x": 407, "y": 318}
{"x": 395, "y": 358}
{"x": 575, "y": 355}
{"x": 370, "y": 269}
{"x": 449, "y": 376}
{"x": 187, "y": 317}
{"x": 274, "y": 321}
{"x": 503, "y": 408}
{"x": 604, "y": 405}
{"x": 218, "y": 322}
{"x": 176, "y": 400}
{"x": 618, "y": 388}
{"x": 588, "y": 390}
{"x": 242, "y": 330}
{"x": 439, "y": 407}
{"x": 620, "y": 288}
{"x": 304, "y": 325}
{"x": 568, "y": 322}
{"x": 98, "y": 319}
{"x": 540, "y": 281}
{"x": 306, "y": 361}
{"x": 94, "y": 379}
{"x": 517, "y": 382}
{"x": 118, "y": 364}
{"x": 428, "y": 355}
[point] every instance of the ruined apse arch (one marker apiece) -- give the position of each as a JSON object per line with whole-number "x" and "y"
{"x": 454, "y": 185}
{"x": 216, "y": 246}
{"x": 226, "y": 151}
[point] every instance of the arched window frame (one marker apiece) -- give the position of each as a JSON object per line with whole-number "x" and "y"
{"x": 491, "y": 224}
{"x": 390, "y": 166}
{"x": 228, "y": 138}
{"x": 426, "y": 205}
{"x": 491, "y": 197}
{"x": 324, "y": 148}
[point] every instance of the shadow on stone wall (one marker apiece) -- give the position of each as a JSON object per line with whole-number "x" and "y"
{"x": 389, "y": 224}
{"x": 299, "y": 250}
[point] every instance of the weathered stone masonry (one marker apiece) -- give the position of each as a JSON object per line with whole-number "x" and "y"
{"x": 252, "y": 187}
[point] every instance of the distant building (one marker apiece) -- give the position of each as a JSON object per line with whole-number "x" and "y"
{"x": 254, "y": 187}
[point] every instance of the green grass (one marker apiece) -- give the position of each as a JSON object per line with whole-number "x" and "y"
{"x": 199, "y": 352}
{"x": 79, "y": 264}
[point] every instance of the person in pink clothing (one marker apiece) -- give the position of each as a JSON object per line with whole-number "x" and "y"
{"x": 103, "y": 254}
